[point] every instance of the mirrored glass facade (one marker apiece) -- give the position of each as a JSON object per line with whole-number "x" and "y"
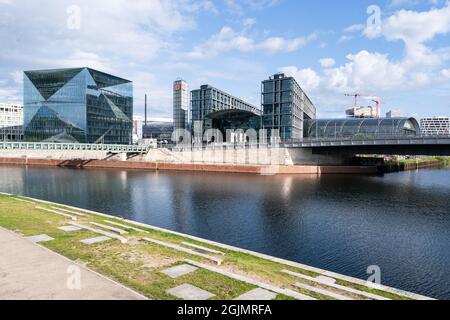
{"x": 285, "y": 106}
{"x": 77, "y": 105}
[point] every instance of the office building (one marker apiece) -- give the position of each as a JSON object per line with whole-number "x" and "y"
{"x": 362, "y": 112}
{"x": 286, "y": 106}
{"x": 180, "y": 104}
{"x": 217, "y": 109}
{"x": 11, "y": 122}
{"x": 77, "y": 105}
{"x": 435, "y": 126}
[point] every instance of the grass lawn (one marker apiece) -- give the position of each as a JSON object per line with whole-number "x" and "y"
{"x": 137, "y": 264}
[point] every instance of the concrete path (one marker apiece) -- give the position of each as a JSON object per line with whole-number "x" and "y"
{"x": 29, "y": 271}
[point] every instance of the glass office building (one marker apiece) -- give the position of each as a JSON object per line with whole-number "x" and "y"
{"x": 219, "y": 110}
{"x": 286, "y": 106}
{"x": 77, "y": 105}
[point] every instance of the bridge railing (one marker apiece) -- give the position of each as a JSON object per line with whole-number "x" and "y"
{"x": 366, "y": 140}
{"x": 72, "y": 146}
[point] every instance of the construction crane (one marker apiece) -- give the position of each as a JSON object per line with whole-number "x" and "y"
{"x": 356, "y": 96}
{"x": 378, "y": 102}
{"x": 372, "y": 97}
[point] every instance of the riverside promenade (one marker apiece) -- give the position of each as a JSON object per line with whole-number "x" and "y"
{"x": 31, "y": 272}
{"x": 158, "y": 263}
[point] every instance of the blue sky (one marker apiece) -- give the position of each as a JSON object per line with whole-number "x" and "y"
{"x": 329, "y": 46}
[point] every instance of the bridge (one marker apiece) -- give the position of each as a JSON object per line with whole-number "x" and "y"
{"x": 419, "y": 145}
{"x": 49, "y": 146}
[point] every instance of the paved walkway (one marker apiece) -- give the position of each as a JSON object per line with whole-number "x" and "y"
{"x": 29, "y": 271}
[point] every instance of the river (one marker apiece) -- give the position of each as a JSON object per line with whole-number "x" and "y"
{"x": 343, "y": 223}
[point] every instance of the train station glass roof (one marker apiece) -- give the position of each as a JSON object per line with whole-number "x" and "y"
{"x": 362, "y": 128}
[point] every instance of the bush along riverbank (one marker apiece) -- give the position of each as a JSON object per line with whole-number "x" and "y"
{"x": 161, "y": 264}
{"x": 413, "y": 164}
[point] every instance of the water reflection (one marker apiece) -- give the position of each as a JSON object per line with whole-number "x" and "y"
{"x": 344, "y": 223}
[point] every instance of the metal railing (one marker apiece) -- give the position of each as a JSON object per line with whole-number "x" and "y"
{"x": 115, "y": 148}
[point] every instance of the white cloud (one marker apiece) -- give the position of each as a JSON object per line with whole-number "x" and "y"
{"x": 355, "y": 28}
{"x": 227, "y": 39}
{"x": 249, "y": 22}
{"x": 373, "y": 71}
{"x": 307, "y": 78}
{"x": 344, "y": 38}
{"x": 116, "y": 36}
{"x": 327, "y": 62}
{"x": 239, "y": 6}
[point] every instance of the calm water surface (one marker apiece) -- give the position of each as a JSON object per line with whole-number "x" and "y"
{"x": 343, "y": 223}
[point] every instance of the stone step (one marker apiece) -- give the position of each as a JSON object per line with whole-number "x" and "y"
{"x": 59, "y": 213}
{"x": 202, "y": 248}
{"x": 102, "y": 232}
{"x": 69, "y": 211}
{"x": 286, "y": 292}
{"x": 336, "y": 286}
{"x": 322, "y": 291}
{"x": 182, "y": 249}
{"x": 116, "y": 230}
{"x": 125, "y": 226}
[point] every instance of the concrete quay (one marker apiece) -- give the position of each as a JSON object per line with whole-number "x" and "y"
{"x": 29, "y": 271}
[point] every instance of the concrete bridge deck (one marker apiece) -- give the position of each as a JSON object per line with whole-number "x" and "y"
{"x": 433, "y": 146}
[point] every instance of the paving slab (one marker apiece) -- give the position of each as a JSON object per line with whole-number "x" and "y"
{"x": 326, "y": 280}
{"x": 39, "y": 238}
{"x": 179, "y": 271}
{"x": 190, "y": 292}
{"x": 69, "y": 228}
{"x": 32, "y": 272}
{"x": 95, "y": 240}
{"x": 257, "y": 294}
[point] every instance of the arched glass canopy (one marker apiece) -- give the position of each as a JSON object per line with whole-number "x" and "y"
{"x": 364, "y": 128}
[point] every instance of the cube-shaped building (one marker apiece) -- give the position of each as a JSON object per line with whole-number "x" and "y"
{"x": 78, "y": 105}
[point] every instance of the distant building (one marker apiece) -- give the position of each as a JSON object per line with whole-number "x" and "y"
{"x": 286, "y": 106}
{"x": 159, "y": 130}
{"x": 436, "y": 126}
{"x": 180, "y": 104}
{"x": 216, "y": 109}
{"x": 77, "y": 105}
{"x": 362, "y": 112}
{"x": 394, "y": 114}
{"x": 138, "y": 123}
{"x": 11, "y": 122}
